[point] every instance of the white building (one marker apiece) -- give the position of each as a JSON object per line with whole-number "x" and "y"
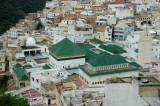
{"x": 86, "y": 5}
{"x": 81, "y": 30}
{"x": 131, "y": 44}
{"x": 13, "y": 33}
{"x": 124, "y": 13}
{"x": 104, "y": 15}
{"x": 66, "y": 54}
{"x": 114, "y": 7}
{"x": 108, "y": 33}
{"x": 121, "y": 93}
{"x": 47, "y": 75}
{"x": 142, "y": 7}
{"x": 99, "y": 68}
{"x": 155, "y": 50}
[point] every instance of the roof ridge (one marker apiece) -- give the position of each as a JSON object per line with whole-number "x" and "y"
{"x": 64, "y": 40}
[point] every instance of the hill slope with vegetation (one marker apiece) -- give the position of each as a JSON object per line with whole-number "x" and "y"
{"x": 11, "y": 11}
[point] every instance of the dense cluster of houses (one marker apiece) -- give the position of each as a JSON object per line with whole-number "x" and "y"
{"x": 87, "y": 53}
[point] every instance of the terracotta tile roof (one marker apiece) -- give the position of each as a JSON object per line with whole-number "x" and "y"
{"x": 12, "y": 48}
{"x": 31, "y": 93}
{"x": 131, "y": 4}
{"x": 52, "y": 86}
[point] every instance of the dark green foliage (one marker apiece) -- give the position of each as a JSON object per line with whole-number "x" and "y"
{"x": 3, "y": 84}
{"x": 8, "y": 100}
{"x": 11, "y": 11}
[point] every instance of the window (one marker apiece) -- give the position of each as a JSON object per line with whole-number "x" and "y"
{"x": 0, "y": 68}
{"x": 32, "y": 79}
{"x": 0, "y": 64}
{"x": 37, "y": 80}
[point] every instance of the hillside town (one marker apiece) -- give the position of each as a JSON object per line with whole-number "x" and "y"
{"x": 85, "y": 53}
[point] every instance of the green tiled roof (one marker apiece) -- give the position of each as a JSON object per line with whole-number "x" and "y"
{"x": 21, "y": 74}
{"x": 113, "y": 49}
{"x": 145, "y": 71}
{"x": 46, "y": 66}
{"x": 107, "y": 60}
{"x": 27, "y": 66}
{"x": 72, "y": 68}
{"x": 135, "y": 64}
{"x": 17, "y": 65}
{"x": 90, "y": 54}
{"x": 86, "y": 46}
{"x": 65, "y": 47}
{"x": 104, "y": 53}
{"x": 97, "y": 41}
{"x": 107, "y": 72}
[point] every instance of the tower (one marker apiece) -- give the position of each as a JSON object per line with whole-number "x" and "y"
{"x": 145, "y": 48}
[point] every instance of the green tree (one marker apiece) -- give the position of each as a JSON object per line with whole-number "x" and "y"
{"x": 12, "y": 11}
{"x": 3, "y": 83}
{"x": 8, "y": 100}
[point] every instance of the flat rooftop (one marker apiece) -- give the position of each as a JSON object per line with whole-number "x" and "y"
{"x": 141, "y": 80}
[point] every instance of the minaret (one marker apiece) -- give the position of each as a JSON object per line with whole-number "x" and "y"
{"x": 145, "y": 48}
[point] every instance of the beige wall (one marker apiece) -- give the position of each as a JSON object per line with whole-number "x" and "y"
{"x": 145, "y": 49}
{"x": 101, "y": 36}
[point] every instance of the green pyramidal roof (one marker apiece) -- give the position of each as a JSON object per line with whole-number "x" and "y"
{"x": 17, "y": 65}
{"x": 66, "y": 47}
{"x": 21, "y": 74}
{"x": 46, "y": 66}
{"x": 107, "y": 60}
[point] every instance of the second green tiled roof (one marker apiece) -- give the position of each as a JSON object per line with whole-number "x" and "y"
{"x": 46, "y": 66}
{"x": 112, "y": 48}
{"x": 107, "y": 60}
{"x": 65, "y": 47}
{"x": 97, "y": 41}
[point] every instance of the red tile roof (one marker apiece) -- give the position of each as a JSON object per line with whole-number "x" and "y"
{"x": 131, "y": 4}
{"x": 52, "y": 86}
{"x": 31, "y": 93}
{"x": 12, "y": 48}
